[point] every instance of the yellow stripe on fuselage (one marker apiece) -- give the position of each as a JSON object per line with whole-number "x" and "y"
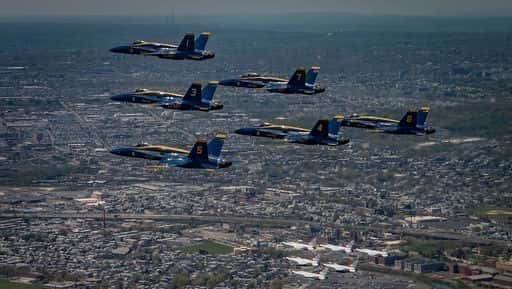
{"x": 155, "y": 43}
{"x": 373, "y": 118}
{"x": 273, "y": 126}
{"x": 264, "y": 78}
{"x": 159, "y": 93}
{"x": 163, "y": 148}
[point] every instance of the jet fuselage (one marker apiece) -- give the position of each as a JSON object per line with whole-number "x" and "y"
{"x": 150, "y": 152}
{"x": 146, "y": 96}
{"x": 252, "y": 80}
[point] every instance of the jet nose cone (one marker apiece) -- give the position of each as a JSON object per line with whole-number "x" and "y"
{"x": 240, "y": 131}
{"x": 246, "y": 131}
{"x": 226, "y": 82}
{"x": 120, "y": 49}
{"x": 116, "y": 151}
{"x": 119, "y": 97}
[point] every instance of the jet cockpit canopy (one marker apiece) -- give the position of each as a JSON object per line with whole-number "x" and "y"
{"x": 250, "y": 74}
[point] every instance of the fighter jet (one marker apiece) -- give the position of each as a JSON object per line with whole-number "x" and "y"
{"x": 339, "y": 248}
{"x": 202, "y": 156}
{"x": 325, "y": 132}
{"x": 252, "y": 80}
{"x": 301, "y": 246}
{"x": 319, "y": 276}
{"x": 372, "y": 253}
{"x": 187, "y": 49}
{"x": 195, "y": 98}
{"x": 304, "y": 262}
{"x": 343, "y": 268}
{"x": 300, "y": 82}
{"x": 414, "y": 122}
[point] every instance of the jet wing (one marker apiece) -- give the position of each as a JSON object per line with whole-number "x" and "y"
{"x": 271, "y": 133}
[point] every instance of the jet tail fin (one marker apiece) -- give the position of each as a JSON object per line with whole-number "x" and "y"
{"x": 193, "y": 93}
{"x": 201, "y": 41}
{"x": 298, "y": 78}
{"x": 334, "y": 126}
{"x": 209, "y": 91}
{"x": 321, "y": 128}
{"x": 311, "y": 75}
{"x": 421, "y": 118}
{"x": 215, "y": 145}
{"x": 187, "y": 43}
{"x": 409, "y": 119}
{"x": 199, "y": 151}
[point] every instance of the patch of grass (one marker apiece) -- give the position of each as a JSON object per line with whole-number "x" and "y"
{"x": 5, "y": 284}
{"x": 211, "y": 247}
{"x": 28, "y": 175}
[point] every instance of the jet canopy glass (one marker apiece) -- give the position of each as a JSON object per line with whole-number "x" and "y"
{"x": 250, "y": 74}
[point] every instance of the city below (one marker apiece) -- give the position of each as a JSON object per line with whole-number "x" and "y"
{"x": 88, "y": 199}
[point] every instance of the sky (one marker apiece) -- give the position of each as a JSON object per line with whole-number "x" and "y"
{"x": 164, "y": 7}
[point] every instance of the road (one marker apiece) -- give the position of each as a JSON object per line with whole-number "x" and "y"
{"x": 163, "y": 218}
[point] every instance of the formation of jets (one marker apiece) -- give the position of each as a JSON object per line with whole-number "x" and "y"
{"x": 207, "y": 155}
{"x": 316, "y": 263}
{"x": 312, "y": 246}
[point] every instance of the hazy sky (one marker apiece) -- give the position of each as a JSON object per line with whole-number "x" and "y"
{"x": 161, "y": 7}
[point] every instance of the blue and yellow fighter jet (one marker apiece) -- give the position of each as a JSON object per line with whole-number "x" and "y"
{"x": 414, "y": 122}
{"x": 325, "y": 132}
{"x": 187, "y": 49}
{"x": 203, "y": 155}
{"x": 196, "y": 98}
{"x": 300, "y": 82}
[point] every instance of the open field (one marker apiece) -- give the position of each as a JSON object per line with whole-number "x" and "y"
{"x": 213, "y": 248}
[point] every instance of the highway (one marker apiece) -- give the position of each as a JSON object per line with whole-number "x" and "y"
{"x": 268, "y": 222}
{"x": 164, "y": 218}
